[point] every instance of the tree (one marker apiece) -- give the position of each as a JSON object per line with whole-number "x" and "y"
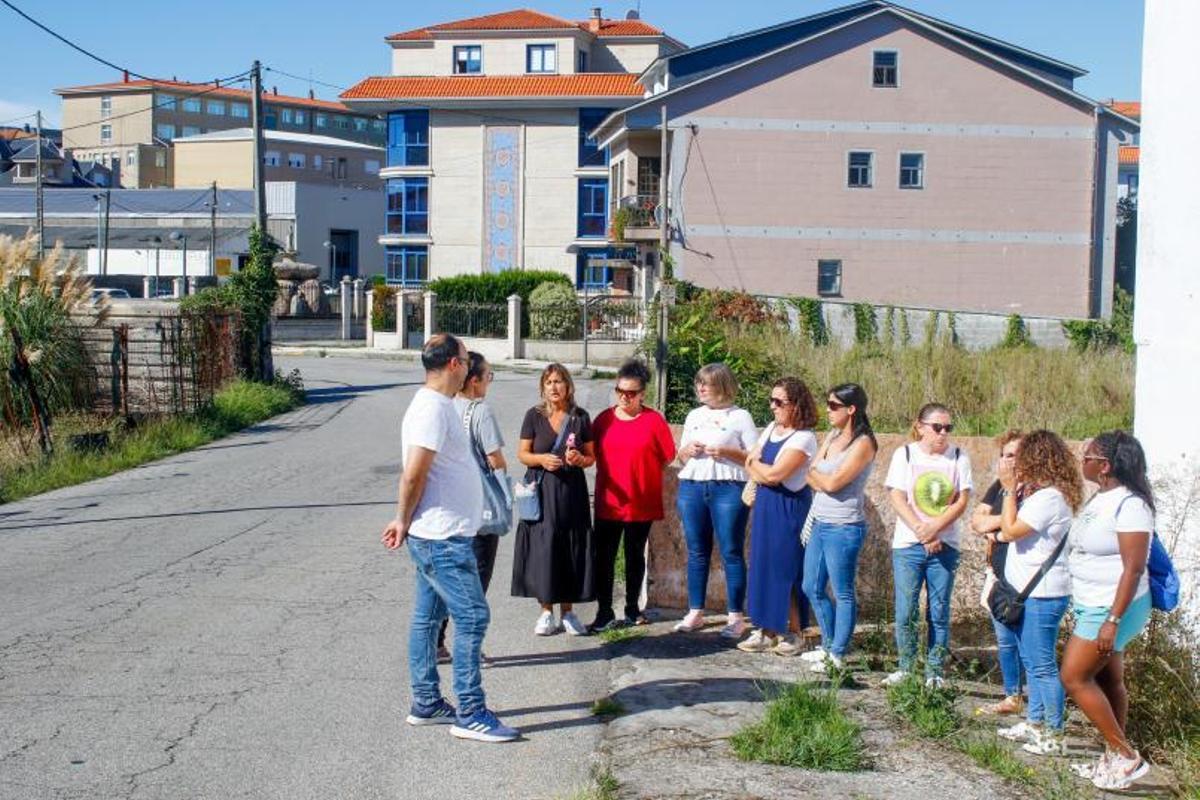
{"x": 252, "y": 290}
{"x": 1127, "y": 242}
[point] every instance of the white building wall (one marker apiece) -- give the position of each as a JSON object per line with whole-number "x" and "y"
{"x": 455, "y": 194}
{"x": 618, "y": 56}
{"x": 416, "y": 59}
{"x": 320, "y": 209}
{"x": 551, "y": 190}
{"x": 502, "y": 55}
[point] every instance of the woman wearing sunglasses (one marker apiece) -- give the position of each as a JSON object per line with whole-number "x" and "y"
{"x": 839, "y": 477}
{"x": 779, "y": 464}
{"x": 929, "y": 484}
{"x": 633, "y": 446}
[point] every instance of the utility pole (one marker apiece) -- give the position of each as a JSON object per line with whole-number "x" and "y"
{"x": 41, "y": 200}
{"x": 104, "y": 252}
{"x": 212, "y": 232}
{"x": 665, "y": 293}
{"x": 260, "y": 186}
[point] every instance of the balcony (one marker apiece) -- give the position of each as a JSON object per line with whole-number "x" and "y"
{"x": 634, "y": 219}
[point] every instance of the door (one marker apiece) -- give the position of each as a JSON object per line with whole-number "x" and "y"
{"x": 344, "y": 254}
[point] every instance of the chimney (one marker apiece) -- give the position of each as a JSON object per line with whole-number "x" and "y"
{"x": 125, "y": 79}
{"x": 311, "y": 96}
{"x": 594, "y": 22}
{"x": 275, "y": 90}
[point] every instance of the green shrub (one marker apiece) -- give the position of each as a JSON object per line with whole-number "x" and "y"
{"x": 931, "y": 711}
{"x": 866, "y": 324}
{"x": 804, "y": 727}
{"x": 554, "y": 312}
{"x": 494, "y": 287}
{"x": 1117, "y": 331}
{"x": 1016, "y": 333}
{"x": 812, "y": 320}
{"x": 383, "y": 307}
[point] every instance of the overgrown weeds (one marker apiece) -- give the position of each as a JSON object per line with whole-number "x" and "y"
{"x": 988, "y": 752}
{"x": 607, "y": 707}
{"x": 930, "y": 710}
{"x": 804, "y": 727}
{"x": 618, "y": 635}
{"x": 603, "y": 786}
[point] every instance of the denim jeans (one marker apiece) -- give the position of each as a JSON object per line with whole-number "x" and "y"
{"x": 707, "y": 508}
{"x": 832, "y": 558}
{"x": 915, "y": 568}
{"x": 1009, "y": 656}
{"x": 447, "y": 582}
{"x": 1037, "y": 639}
{"x": 485, "y": 546}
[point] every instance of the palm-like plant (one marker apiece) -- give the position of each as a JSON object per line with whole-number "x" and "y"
{"x": 44, "y": 364}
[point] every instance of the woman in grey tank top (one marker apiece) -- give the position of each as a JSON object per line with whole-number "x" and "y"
{"x": 839, "y": 478}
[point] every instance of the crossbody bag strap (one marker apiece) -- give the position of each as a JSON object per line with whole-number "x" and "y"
{"x": 558, "y": 440}
{"x": 1041, "y": 573}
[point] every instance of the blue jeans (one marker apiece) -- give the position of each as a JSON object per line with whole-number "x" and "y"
{"x": 1009, "y": 657}
{"x": 1037, "y": 639}
{"x": 832, "y": 557}
{"x": 447, "y": 582}
{"x": 915, "y": 568}
{"x": 707, "y": 508}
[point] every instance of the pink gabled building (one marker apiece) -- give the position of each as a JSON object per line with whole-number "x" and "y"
{"x": 873, "y": 153}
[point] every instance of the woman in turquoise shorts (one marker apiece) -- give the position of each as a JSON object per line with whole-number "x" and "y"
{"x": 1110, "y": 590}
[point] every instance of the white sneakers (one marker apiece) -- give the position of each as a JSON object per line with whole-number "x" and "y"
{"x": 1115, "y": 771}
{"x": 758, "y": 642}
{"x": 546, "y": 625}
{"x": 814, "y": 655}
{"x": 1021, "y": 732}
{"x": 936, "y": 682}
{"x": 827, "y": 664}
{"x": 571, "y": 624}
{"x": 789, "y": 645}
{"x": 1046, "y": 742}
{"x": 693, "y": 622}
{"x": 896, "y": 677}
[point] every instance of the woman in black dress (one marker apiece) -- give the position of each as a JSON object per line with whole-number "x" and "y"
{"x": 552, "y": 558}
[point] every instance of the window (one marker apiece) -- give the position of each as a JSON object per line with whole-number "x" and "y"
{"x": 296, "y": 160}
{"x": 270, "y": 118}
{"x": 160, "y": 159}
{"x": 287, "y": 115}
{"x": 360, "y": 124}
{"x": 581, "y": 61}
{"x": 541, "y": 58}
{"x": 829, "y": 278}
{"x": 408, "y": 139}
{"x": 379, "y": 125}
{"x": 321, "y": 120}
{"x": 648, "y": 172}
{"x": 239, "y": 110}
{"x": 165, "y": 131}
{"x": 191, "y": 130}
{"x": 105, "y": 134}
{"x": 271, "y": 158}
{"x": 885, "y": 68}
{"x": 106, "y": 106}
{"x": 165, "y": 101}
{"x": 591, "y": 271}
{"x": 589, "y": 154}
{"x": 191, "y": 105}
{"x": 593, "y": 207}
{"x": 912, "y": 171}
{"x": 318, "y": 162}
{"x": 216, "y": 107}
{"x": 371, "y": 166}
{"x": 407, "y": 265}
{"x": 130, "y": 157}
{"x": 860, "y": 170}
{"x": 300, "y": 117}
{"x": 468, "y": 59}
{"x": 341, "y": 122}
{"x": 408, "y": 206}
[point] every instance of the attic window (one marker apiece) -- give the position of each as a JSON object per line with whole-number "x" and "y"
{"x": 885, "y": 69}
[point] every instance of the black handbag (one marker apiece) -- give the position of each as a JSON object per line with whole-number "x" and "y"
{"x": 1006, "y": 603}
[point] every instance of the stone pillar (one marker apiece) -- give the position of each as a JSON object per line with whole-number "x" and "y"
{"x": 430, "y": 315}
{"x": 369, "y": 305}
{"x": 516, "y": 342}
{"x": 347, "y": 308}
{"x": 358, "y": 298}
{"x": 146, "y": 286}
{"x": 191, "y": 288}
{"x": 402, "y": 301}
{"x": 178, "y": 287}
{"x": 1166, "y": 325}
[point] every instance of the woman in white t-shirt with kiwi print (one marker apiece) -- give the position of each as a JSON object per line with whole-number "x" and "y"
{"x": 929, "y": 482}
{"x": 1110, "y": 590}
{"x": 717, "y": 437}
{"x": 1045, "y": 478}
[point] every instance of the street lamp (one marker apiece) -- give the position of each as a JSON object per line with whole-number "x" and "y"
{"x": 176, "y": 236}
{"x": 332, "y": 264}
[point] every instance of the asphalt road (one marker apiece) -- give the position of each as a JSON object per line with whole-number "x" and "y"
{"x": 225, "y": 624}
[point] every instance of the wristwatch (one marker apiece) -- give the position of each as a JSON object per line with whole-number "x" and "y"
{"x": 1115, "y": 620}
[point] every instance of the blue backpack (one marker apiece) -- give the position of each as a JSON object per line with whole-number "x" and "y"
{"x": 1164, "y": 580}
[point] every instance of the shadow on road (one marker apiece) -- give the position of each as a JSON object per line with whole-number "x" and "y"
{"x": 199, "y": 513}
{"x": 336, "y": 394}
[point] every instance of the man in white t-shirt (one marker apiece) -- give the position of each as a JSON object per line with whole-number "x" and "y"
{"x": 438, "y": 514}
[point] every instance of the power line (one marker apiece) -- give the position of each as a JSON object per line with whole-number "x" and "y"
{"x": 235, "y": 79}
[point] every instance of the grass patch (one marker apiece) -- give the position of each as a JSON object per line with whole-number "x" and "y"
{"x": 238, "y": 405}
{"x": 607, "y": 707}
{"x": 931, "y": 711}
{"x": 617, "y": 635}
{"x": 989, "y": 753}
{"x": 603, "y": 787}
{"x": 804, "y": 727}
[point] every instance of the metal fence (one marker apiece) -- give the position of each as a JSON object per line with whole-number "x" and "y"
{"x": 607, "y": 318}
{"x": 486, "y": 320}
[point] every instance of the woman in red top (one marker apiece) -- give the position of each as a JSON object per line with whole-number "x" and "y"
{"x": 633, "y": 445}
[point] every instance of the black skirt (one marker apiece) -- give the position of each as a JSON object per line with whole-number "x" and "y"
{"x": 552, "y": 558}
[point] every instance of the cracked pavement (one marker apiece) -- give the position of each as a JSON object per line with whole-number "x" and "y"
{"x": 225, "y": 624}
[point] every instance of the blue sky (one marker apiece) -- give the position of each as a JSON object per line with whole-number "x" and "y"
{"x": 339, "y": 43}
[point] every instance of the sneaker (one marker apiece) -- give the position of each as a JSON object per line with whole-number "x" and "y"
{"x": 896, "y": 677}
{"x": 1120, "y": 772}
{"x": 935, "y": 682}
{"x": 816, "y": 654}
{"x": 443, "y": 655}
{"x": 1090, "y": 769}
{"x": 758, "y": 642}
{"x": 827, "y": 666}
{"x": 602, "y": 622}
{"x": 694, "y": 621}
{"x": 572, "y": 624}
{"x": 1023, "y": 731}
{"x": 483, "y": 726}
{"x": 439, "y": 713}
{"x": 735, "y": 628}
{"x": 546, "y": 624}
{"x": 789, "y": 645}
{"x": 1047, "y": 743}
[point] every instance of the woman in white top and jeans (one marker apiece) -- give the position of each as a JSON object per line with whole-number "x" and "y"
{"x": 1045, "y": 475}
{"x": 1109, "y": 546}
{"x": 716, "y": 439}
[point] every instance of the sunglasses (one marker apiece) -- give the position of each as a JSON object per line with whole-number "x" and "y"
{"x": 628, "y": 394}
{"x": 939, "y": 427}
{"x": 777, "y": 403}
{"x": 1094, "y": 458}
{"x": 834, "y": 405}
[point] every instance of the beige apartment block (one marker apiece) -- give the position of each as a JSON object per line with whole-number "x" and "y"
{"x": 227, "y": 158}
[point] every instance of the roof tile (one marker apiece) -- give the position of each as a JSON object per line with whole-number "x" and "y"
{"x": 1128, "y": 155}
{"x": 584, "y": 84}
{"x": 523, "y": 19}
{"x": 1127, "y": 108}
